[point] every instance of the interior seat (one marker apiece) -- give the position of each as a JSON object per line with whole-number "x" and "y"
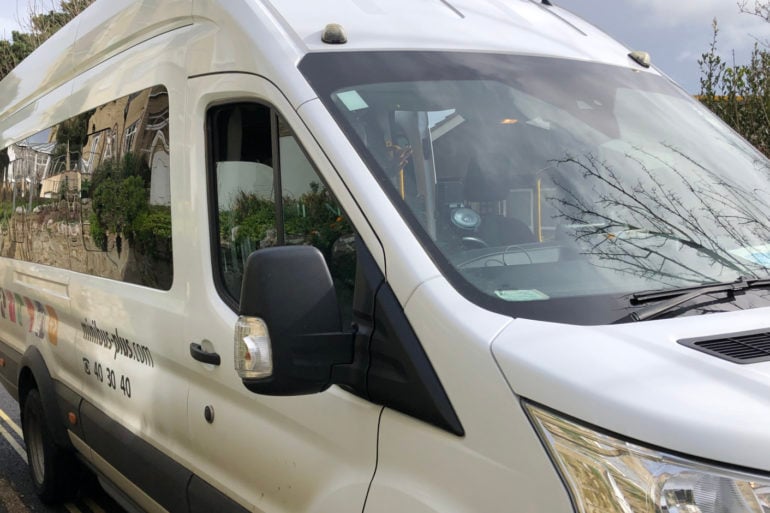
{"x": 487, "y": 182}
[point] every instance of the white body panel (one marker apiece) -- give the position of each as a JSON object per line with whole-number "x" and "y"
{"x": 499, "y": 461}
{"x": 316, "y": 453}
{"x": 335, "y": 451}
{"x": 620, "y": 378}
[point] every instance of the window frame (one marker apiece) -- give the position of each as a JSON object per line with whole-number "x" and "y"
{"x": 212, "y": 150}
{"x": 86, "y": 167}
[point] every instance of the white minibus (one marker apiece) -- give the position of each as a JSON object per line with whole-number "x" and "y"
{"x": 411, "y": 256}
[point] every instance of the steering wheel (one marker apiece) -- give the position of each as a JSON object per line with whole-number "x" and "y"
{"x": 474, "y": 242}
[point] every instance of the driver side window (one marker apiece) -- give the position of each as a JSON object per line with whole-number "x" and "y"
{"x": 268, "y": 193}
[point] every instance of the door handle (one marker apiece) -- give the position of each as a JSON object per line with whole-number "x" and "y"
{"x": 200, "y": 354}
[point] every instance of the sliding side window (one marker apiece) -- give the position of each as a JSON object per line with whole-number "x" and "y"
{"x": 92, "y": 194}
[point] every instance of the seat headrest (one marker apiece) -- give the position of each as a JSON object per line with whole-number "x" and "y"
{"x": 488, "y": 178}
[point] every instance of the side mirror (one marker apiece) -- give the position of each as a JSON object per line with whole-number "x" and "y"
{"x": 289, "y": 335}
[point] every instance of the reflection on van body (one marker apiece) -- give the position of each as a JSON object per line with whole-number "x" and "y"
{"x": 95, "y": 197}
{"x": 250, "y": 205}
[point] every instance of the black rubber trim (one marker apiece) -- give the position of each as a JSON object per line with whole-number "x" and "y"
{"x": 742, "y": 348}
{"x": 204, "y": 498}
{"x": 156, "y": 474}
{"x": 33, "y": 362}
{"x": 399, "y": 374}
{"x": 9, "y": 371}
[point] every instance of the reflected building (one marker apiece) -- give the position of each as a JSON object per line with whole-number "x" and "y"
{"x": 96, "y": 193}
{"x": 28, "y": 164}
{"x": 137, "y": 123}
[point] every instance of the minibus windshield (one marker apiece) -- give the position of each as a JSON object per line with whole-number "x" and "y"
{"x": 553, "y": 189}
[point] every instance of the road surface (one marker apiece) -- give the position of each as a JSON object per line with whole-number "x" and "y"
{"x": 16, "y": 492}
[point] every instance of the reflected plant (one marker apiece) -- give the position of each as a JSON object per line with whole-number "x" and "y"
{"x": 250, "y": 219}
{"x": 314, "y": 218}
{"x": 120, "y": 206}
{"x": 626, "y": 226}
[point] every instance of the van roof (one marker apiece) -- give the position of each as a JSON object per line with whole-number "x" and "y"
{"x": 509, "y": 26}
{"x": 286, "y": 30}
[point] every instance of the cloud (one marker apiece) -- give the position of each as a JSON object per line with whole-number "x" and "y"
{"x": 671, "y": 13}
{"x": 734, "y": 24}
{"x": 677, "y": 33}
{"x": 738, "y": 31}
{"x": 10, "y": 11}
{"x": 686, "y": 56}
{"x": 6, "y": 27}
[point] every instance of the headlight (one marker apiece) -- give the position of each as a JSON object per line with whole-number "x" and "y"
{"x": 608, "y": 475}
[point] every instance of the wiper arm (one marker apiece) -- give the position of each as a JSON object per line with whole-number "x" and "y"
{"x": 676, "y": 297}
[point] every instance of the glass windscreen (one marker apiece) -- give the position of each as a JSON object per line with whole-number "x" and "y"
{"x": 553, "y": 189}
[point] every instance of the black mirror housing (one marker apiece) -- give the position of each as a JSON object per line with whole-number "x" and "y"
{"x": 291, "y": 290}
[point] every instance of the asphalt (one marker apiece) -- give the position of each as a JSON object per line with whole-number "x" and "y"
{"x": 16, "y": 492}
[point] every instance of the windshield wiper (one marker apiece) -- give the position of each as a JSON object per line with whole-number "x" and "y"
{"x": 676, "y": 297}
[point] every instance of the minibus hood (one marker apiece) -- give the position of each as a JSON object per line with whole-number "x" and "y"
{"x": 639, "y": 381}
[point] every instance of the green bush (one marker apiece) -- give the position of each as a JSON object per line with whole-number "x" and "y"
{"x": 313, "y": 218}
{"x": 85, "y": 188}
{"x": 739, "y": 94}
{"x": 98, "y": 233}
{"x": 120, "y": 206}
{"x": 253, "y": 215}
{"x": 118, "y": 202}
{"x": 151, "y": 232}
{"x": 316, "y": 218}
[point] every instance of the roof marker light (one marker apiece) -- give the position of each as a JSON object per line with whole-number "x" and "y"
{"x": 641, "y": 58}
{"x": 334, "y": 34}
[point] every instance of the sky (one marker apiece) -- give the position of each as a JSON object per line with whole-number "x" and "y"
{"x": 12, "y": 12}
{"x": 675, "y": 33}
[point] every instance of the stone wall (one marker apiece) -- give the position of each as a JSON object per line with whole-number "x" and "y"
{"x": 59, "y": 235}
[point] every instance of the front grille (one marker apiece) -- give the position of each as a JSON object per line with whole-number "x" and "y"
{"x": 743, "y": 348}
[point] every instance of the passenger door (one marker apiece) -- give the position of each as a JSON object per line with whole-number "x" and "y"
{"x": 311, "y": 453}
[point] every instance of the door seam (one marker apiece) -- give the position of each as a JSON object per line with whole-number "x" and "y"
{"x": 376, "y": 461}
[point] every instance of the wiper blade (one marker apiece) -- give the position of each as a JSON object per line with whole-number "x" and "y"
{"x": 676, "y": 297}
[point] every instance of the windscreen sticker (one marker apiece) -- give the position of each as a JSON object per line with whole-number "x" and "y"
{"x": 352, "y": 100}
{"x": 757, "y": 254}
{"x": 521, "y": 295}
